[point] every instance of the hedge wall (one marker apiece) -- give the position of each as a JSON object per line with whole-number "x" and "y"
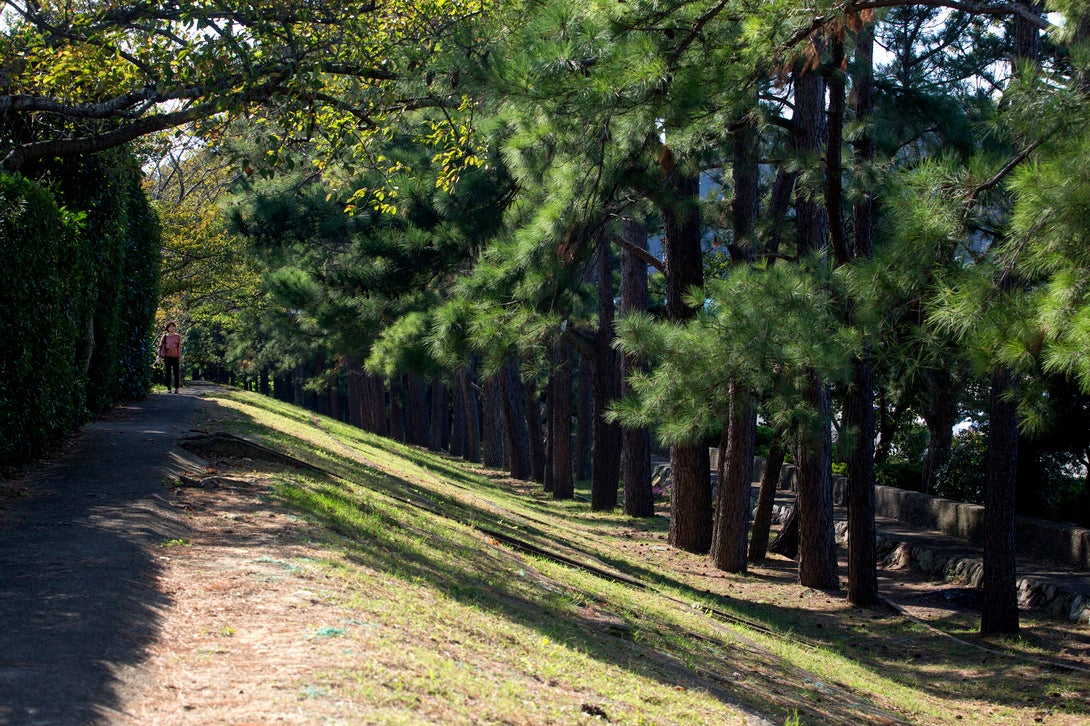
{"x": 43, "y": 317}
{"x": 78, "y": 303}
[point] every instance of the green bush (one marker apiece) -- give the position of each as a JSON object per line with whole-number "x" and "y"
{"x": 900, "y": 474}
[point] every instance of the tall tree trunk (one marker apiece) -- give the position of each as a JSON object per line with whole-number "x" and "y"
{"x": 889, "y": 422}
{"x": 691, "y": 516}
{"x": 606, "y": 455}
{"x": 297, "y": 379}
{"x": 471, "y": 407}
{"x": 638, "y": 499}
{"x": 335, "y": 411}
{"x": 513, "y": 408}
{"x": 355, "y": 392}
{"x": 560, "y": 423}
{"x": 536, "y": 433}
{"x": 733, "y": 504}
{"x": 418, "y": 410}
{"x": 941, "y": 415}
{"x": 999, "y": 613}
{"x": 817, "y": 544}
{"x": 263, "y": 382}
{"x": 766, "y": 499}
{"x": 862, "y": 533}
{"x": 378, "y": 406}
{"x": 859, "y": 404}
{"x": 398, "y": 396}
{"x": 440, "y": 415}
{"x": 492, "y": 439}
{"x": 728, "y": 551}
{"x": 690, "y": 502}
{"x": 584, "y": 419}
{"x": 458, "y": 426}
{"x": 550, "y": 421}
{"x": 817, "y": 540}
{"x": 786, "y": 543}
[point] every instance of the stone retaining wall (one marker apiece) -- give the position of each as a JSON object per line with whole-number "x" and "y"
{"x": 1057, "y": 542}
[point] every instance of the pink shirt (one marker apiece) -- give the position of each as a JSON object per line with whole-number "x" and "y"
{"x": 171, "y": 346}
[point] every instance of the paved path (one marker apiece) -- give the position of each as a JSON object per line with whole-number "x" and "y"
{"x": 79, "y": 560}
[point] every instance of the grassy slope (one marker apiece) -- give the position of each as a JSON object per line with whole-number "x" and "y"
{"x": 458, "y": 625}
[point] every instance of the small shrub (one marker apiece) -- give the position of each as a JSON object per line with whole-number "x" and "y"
{"x": 962, "y": 478}
{"x": 900, "y": 474}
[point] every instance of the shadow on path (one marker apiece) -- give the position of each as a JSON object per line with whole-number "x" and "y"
{"x": 79, "y": 558}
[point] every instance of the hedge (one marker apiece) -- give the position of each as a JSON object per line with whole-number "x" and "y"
{"x": 77, "y": 303}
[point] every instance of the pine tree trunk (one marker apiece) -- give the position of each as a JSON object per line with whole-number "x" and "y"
{"x": 560, "y": 423}
{"x": 638, "y": 499}
{"x": 335, "y": 411}
{"x": 513, "y": 409}
{"x": 766, "y": 499}
{"x": 859, "y": 406}
{"x": 379, "y": 423}
{"x": 606, "y": 454}
{"x": 691, "y": 511}
{"x": 397, "y": 409}
{"x": 458, "y": 416}
{"x": 728, "y": 551}
{"x": 862, "y": 533}
{"x": 817, "y": 540}
{"x": 263, "y": 382}
{"x": 690, "y": 505}
{"x": 418, "y": 410}
{"x": 584, "y": 421}
{"x": 999, "y": 613}
{"x": 440, "y": 416}
{"x": 297, "y": 386}
{"x": 550, "y": 420}
{"x": 355, "y": 392}
{"x": 536, "y": 434}
{"x": 492, "y": 439}
{"x": 814, "y": 504}
{"x": 941, "y": 415}
{"x": 786, "y": 543}
{"x": 472, "y": 412}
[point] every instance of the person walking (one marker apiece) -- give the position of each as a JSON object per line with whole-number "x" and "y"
{"x": 170, "y": 350}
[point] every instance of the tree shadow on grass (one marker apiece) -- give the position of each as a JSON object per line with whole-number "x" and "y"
{"x": 881, "y": 644}
{"x": 399, "y": 534}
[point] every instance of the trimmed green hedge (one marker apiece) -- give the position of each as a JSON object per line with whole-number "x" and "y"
{"x": 43, "y": 319}
{"x": 77, "y": 302}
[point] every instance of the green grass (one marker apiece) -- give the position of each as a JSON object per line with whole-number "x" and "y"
{"x": 461, "y": 627}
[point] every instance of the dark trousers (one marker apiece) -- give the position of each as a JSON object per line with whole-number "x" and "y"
{"x": 173, "y": 363}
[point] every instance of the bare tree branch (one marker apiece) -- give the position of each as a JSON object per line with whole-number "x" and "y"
{"x": 639, "y": 252}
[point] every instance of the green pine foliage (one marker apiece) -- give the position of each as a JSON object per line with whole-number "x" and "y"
{"x": 1052, "y": 226}
{"x": 684, "y": 397}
